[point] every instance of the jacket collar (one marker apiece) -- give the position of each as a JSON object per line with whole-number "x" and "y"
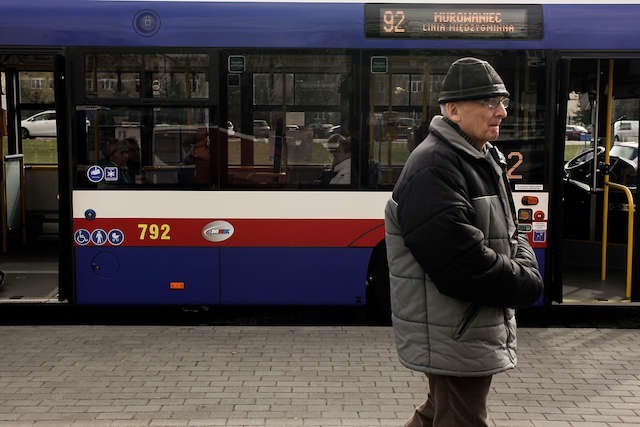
{"x": 450, "y": 132}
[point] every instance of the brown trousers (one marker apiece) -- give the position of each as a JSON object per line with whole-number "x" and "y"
{"x": 453, "y": 402}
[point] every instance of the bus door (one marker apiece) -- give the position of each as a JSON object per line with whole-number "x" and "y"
{"x": 30, "y": 135}
{"x": 599, "y": 160}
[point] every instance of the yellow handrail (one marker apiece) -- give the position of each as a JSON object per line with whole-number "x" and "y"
{"x": 605, "y": 199}
{"x": 605, "y": 202}
{"x": 629, "y": 235}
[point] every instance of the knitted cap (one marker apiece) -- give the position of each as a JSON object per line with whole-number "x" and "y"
{"x": 471, "y": 78}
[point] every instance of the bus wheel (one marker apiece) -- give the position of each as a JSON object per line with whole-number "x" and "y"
{"x": 378, "y": 299}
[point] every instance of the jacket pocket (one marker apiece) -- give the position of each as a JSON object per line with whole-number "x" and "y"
{"x": 469, "y": 316}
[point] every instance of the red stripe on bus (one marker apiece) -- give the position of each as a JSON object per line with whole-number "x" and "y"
{"x": 246, "y": 232}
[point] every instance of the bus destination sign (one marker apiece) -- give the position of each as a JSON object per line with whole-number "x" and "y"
{"x": 459, "y": 21}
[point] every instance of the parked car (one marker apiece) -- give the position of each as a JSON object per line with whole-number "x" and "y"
{"x": 405, "y": 124}
{"x": 40, "y": 124}
{"x": 321, "y": 130}
{"x": 261, "y": 129}
{"x": 577, "y": 133}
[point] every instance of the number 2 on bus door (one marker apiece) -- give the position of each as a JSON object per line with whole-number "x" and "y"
{"x": 519, "y": 160}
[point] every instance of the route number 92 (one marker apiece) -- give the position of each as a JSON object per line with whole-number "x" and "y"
{"x": 393, "y": 21}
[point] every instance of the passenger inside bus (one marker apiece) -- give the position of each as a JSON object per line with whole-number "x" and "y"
{"x": 340, "y": 149}
{"x": 117, "y": 155}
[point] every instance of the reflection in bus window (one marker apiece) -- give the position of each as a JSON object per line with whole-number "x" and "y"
{"x": 407, "y": 96}
{"x": 280, "y": 136}
{"x": 121, "y": 75}
{"x": 165, "y": 146}
{"x": 179, "y": 143}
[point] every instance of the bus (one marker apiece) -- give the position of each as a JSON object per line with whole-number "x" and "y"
{"x": 197, "y": 144}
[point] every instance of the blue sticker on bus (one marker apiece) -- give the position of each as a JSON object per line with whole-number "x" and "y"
{"x": 539, "y": 236}
{"x": 99, "y": 237}
{"x": 95, "y": 173}
{"x": 82, "y": 237}
{"x": 111, "y": 173}
{"x": 115, "y": 237}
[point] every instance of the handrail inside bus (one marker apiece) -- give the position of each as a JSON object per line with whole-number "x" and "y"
{"x": 41, "y": 166}
{"x": 629, "y": 260}
{"x": 605, "y": 202}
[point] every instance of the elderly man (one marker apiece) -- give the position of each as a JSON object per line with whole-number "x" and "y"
{"x": 457, "y": 264}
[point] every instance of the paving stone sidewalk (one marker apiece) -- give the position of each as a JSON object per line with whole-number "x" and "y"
{"x": 294, "y": 376}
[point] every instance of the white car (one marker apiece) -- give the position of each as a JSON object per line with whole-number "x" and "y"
{"x": 40, "y": 124}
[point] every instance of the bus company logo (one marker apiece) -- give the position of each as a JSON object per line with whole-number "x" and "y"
{"x": 217, "y": 231}
{"x": 146, "y": 22}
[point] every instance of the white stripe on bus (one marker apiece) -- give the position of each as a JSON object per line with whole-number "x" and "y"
{"x": 231, "y": 204}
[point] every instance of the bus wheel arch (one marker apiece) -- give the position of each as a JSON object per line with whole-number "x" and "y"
{"x": 378, "y": 297}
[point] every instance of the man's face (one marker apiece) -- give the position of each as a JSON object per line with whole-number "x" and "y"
{"x": 480, "y": 119}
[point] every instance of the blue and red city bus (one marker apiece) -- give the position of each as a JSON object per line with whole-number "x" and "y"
{"x": 195, "y": 165}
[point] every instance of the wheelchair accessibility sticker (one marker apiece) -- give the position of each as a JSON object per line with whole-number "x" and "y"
{"x": 82, "y": 237}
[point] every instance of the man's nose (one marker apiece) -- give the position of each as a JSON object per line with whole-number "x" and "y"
{"x": 500, "y": 110}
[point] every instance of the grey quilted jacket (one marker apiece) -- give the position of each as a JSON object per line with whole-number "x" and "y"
{"x": 457, "y": 265}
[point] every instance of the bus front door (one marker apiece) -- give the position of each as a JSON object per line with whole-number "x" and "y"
{"x": 599, "y": 180}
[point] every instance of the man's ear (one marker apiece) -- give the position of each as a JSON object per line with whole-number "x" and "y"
{"x": 453, "y": 111}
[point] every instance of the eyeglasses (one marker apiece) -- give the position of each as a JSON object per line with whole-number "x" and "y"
{"x": 492, "y": 103}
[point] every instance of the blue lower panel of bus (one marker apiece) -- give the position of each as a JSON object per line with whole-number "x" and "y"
{"x": 147, "y": 275}
{"x": 294, "y": 275}
{"x": 135, "y": 275}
